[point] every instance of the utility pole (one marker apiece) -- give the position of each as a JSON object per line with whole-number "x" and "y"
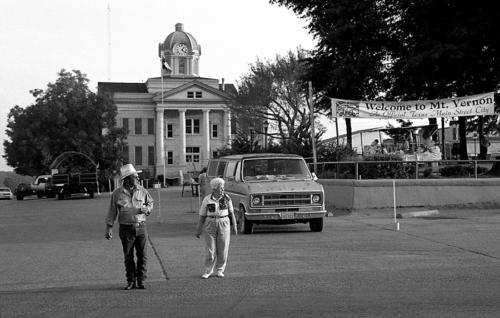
{"x": 313, "y": 133}
{"x": 443, "y": 149}
{"x": 109, "y": 40}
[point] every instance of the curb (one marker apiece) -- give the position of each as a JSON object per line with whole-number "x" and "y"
{"x": 417, "y": 214}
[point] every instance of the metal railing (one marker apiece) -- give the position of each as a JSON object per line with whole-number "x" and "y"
{"x": 414, "y": 169}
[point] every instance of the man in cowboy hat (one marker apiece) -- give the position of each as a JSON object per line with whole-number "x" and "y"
{"x": 131, "y": 203}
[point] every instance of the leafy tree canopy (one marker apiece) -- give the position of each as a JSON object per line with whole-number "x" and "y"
{"x": 66, "y": 116}
{"x": 348, "y": 61}
{"x": 276, "y": 92}
{"x": 406, "y": 49}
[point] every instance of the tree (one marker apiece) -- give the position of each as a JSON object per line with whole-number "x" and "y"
{"x": 445, "y": 49}
{"x": 276, "y": 91}
{"x": 240, "y": 143}
{"x": 401, "y": 134}
{"x": 407, "y": 49}
{"x": 348, "y": 61}
{"x": 66, "y": 116}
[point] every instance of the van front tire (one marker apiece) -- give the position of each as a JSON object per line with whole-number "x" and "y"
{"x": 316, "y": 225}
{"x": 244, "y": 226}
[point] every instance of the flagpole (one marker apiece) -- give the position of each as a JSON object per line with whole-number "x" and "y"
{"x": 163, "y": 154}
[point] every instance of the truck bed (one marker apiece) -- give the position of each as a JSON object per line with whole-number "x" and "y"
{"x": 74, "y": 178}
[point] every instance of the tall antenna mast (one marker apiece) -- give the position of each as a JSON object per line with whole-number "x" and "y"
{"x": 109, "y": 40}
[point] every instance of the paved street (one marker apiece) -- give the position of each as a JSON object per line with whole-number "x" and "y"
{"x": 55, "y": 262}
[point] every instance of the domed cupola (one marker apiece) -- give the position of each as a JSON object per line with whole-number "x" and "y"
{"x": 180, "y": 53}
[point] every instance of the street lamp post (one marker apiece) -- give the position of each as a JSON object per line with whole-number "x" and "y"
{"x": 265, "y": 125}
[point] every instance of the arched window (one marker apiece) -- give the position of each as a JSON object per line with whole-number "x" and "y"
{"x": 182, "y": 66}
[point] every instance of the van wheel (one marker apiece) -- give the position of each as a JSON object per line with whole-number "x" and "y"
{"x": 316, "y": 225}
{"x": 39, "y": 195}
{"x": 244, "y": 226}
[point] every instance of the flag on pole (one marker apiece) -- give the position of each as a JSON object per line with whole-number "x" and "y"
{"x": 165, "y": 66}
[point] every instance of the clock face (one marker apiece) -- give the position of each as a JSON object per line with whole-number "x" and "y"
{"x": 180, "y": 49}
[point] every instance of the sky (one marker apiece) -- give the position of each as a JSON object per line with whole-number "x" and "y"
{"x": 38, "y": 38}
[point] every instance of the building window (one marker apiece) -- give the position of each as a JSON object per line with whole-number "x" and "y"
{"x": 125, "y": 155}
{"x": 170, "y": 157}
{"x": 215, "y": 131}
{"x": 151, "y": 155}
{"x": 182, "y": 66}
{"x": 138, "y": 155}
{"x": 125, "y": 124}
{"x": 197, "y": 94}
{"x": 196, "y": 126}
{"x": 192, "y": 154}
{"x": 138, "y": 126}
{"x": 215, "y": 154}
{"x": 170, "y": 131}
{"x": 192, "y": 126}
{"x": 151, "y": 126}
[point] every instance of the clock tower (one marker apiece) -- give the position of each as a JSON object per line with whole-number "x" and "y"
{"x": 180, "y": 54}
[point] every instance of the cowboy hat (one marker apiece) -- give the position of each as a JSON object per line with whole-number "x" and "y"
{"x": 128, "y": 170}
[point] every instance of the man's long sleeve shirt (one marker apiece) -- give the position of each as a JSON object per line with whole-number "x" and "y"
{"x": 126, "y": 206}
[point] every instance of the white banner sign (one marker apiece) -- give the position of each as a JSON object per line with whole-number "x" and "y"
{"x": 475, "y": 105}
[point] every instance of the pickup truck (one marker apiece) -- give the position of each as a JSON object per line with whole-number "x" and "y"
{"x": 41, "y": 187}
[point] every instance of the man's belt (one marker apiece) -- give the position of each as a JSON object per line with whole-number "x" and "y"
{"x": 133, "y": 224}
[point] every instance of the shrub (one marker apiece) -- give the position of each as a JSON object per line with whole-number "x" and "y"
{"x": 329, "y": 152}
{"x": 461, "y": 171}
{"x": 385, "y": 166}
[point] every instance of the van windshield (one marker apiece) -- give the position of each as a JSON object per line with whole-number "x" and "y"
{"x": 275, "y": 169}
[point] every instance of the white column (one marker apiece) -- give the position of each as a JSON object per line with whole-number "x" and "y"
{"x": 182, "y": 137}
{"x": 160, "y": 148}
{"x": 227, "y": 128}
{"x": 206, "y": 137}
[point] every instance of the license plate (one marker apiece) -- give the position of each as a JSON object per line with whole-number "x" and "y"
{"x": 287, "y": 215}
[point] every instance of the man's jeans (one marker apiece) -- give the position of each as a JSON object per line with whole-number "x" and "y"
{"x": 134, "y": 236}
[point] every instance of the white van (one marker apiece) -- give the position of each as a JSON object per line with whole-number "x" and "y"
{"x": 270, "y": 188}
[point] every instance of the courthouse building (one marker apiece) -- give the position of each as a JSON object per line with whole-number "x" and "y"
{"x": 177, "y": 121}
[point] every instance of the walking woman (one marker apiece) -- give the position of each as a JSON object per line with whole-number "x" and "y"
{"x": 215, "y": 213}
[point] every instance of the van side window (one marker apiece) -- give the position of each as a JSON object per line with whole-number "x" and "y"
{"x": 237, "y": 173}
{"x": 231, "y": 167}
{"x": 220, "y": 168}
{"x": 212, "y": 168}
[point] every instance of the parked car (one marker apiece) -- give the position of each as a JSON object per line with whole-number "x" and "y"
{"x": 271, "y": 188}
{"x": 5, "y": 193}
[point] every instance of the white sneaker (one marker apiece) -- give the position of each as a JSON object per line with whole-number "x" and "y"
{"x": 220, "y": 274}
{"x": 205, "y": 276}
